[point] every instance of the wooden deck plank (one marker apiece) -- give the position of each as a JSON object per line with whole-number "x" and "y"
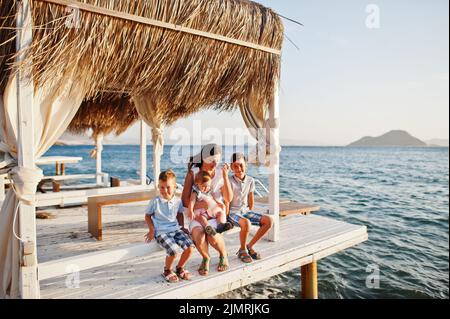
{"x": 139, "y": 278}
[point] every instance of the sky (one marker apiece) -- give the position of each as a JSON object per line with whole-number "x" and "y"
{"x": 362, "y": 68}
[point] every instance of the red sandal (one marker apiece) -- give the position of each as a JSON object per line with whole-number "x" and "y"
{"x": 183, "y": 273}
{"x": 170, "y": 276}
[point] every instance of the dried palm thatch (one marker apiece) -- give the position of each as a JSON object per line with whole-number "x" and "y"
{"x": 7, "y": 37}
{"x": 105, "y": 114}
{"x": 183, "y": 73}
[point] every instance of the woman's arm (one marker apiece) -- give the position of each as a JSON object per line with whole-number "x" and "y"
{"x": 187, "y": 188}
{"x": 191, "y": 206}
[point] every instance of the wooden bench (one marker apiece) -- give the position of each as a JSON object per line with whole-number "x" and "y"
{"x": 95, "y": 204}
{"x": 288, "y": 207}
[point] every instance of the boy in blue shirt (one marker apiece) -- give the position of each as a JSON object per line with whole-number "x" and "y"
{"x": 164, "y": 217}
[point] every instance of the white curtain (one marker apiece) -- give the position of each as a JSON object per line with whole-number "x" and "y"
{"x": 257, "y": 121}
{"x": 53, "y": 109}
{"x": 147, "y": 109}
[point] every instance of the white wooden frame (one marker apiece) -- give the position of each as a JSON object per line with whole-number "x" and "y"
{"x": 98, "y": 159}
{"x": 143, "y": 146}
{"x": 274, "y": 170}
{"x": 29, "y": 284}
{"x": 2, "y": 187}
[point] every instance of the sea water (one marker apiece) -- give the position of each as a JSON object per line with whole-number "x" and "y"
{"x": 400, "y": 194}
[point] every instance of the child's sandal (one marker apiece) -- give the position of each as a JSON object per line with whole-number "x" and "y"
{"x": 253, "y": 254}
{"x": 170, "y": 276}
{"x": 221, "y": 228}
{"x": 183, "y": 273}
{"x": 209, "y": 230}
{"x": 244, "y": 256}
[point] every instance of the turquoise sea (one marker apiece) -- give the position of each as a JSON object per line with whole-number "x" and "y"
{"x": 400, "y": 194}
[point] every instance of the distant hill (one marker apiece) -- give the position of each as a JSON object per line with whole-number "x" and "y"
{"x": 437, "y": 142}
{"x": 390, "y": 139}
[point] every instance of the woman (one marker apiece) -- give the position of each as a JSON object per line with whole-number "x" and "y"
{"x": 208, "y": 161}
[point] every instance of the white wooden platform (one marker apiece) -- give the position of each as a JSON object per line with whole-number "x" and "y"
{"x": 304, "y": 239}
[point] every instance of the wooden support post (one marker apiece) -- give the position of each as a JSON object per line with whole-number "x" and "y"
{"x": 156, "y": 165}
{"x": 2, "y": 188}
{"x": 309, "y": 281}
{"x": 63, "y": 169}
{"x": 98, "y": 158}
{"x": 57, "y": 169}
{"x": 274, "y": 173}
{"x": 56, "y": 186}
{"x": 29, "y": 284}
{"x": 115, "y": 181}
{"x": 143, "y": 171}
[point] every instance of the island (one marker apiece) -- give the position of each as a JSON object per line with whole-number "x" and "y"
{"x": 394, "y": 138}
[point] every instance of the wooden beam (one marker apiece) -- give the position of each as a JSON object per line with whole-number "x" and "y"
{"x": 156, "y": 164}
{"x": 81, "y": 196}
{"x": 29, "y": 284}
{"x": 2, "y": 188}
{"x": 160, "y": 24}
{"x": 309, "y": 281}
{"x": 58, "y": 268}
{"x": 98, "y": 159}
{"x": 143, "y": 153}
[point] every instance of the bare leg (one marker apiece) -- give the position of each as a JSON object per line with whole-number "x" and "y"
{"x": 218, "y": 243}
{"x": 185, "y": 257}
{"x": 199, "y": 237}
{"x": 202, "y": 220}
{"x": 221, "y": 217}
{"x": 266, "y": 224}
{"x": 169, "y": 262}
{"x": 245, "y": 231}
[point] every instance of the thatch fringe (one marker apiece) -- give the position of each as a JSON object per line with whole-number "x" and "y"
{"x": 7, "y": 40}
{"x": 105, "y": 114}
{"x": 184, "y": 73}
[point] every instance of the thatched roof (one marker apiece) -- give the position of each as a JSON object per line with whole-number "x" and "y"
{"x": 105, "y": 114}
{"x": 183, "y": 73}
{"x": 7, "y": 36}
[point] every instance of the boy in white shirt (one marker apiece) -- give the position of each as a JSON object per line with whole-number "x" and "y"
{"x": 241, "y": 209}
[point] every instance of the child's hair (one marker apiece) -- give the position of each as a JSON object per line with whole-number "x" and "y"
{"x": 202, "y": 177}
{"x": 166, "y": 175}
{"x": 237, "y": 156}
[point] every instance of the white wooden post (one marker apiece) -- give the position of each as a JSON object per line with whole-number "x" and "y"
{"x": 156, "y": 165}
{"x": 29, "y": 284}
{"x": 143, "y": 153}
{"x": 98, "y": 157}
{"x": 274, "y": 172}
{"x": 2, "y": 188}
